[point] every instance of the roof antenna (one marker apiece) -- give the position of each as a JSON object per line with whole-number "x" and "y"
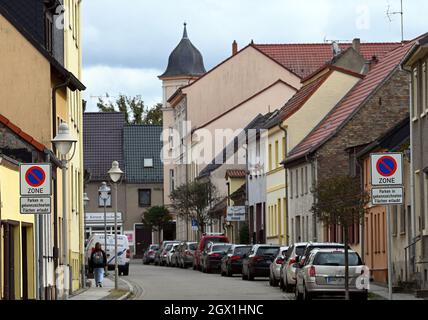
{"x": 389, "y": 14}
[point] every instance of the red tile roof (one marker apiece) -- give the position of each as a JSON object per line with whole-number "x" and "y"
{"x": 26, "y": 137}
{"x": 352, "y": 101}
{"x": 236, "y": 174}
{"x": 304, "y": 59}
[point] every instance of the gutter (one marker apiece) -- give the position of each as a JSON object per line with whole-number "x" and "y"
{"x": 286, "y": 186}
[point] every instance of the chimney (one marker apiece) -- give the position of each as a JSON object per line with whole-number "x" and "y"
{"x": 234, "y": 48}
{"x": 356, "y": 44}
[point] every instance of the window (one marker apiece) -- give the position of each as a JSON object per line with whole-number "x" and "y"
{"x": 352, "y": 165}
{"x": 306, "y": 181}
{"x": 270, "y": 157}
{"x": 302, "y": 185}
{"x": 394, "y": 218}
{"x": 276, "y": 155}
{"x": 284, "y": 147}
{"x": 402, "y": 220}
{"x": 148, "y": 162}
{"x": 297, "y": 183}
{"x": 291, "y": 184}
{"x": 415, "y": 93}
{"x": 424, "y": 88}
{"x": 48, "y": 33}
{"x": 171, "y": 180}
{"x": 145, "y": 197}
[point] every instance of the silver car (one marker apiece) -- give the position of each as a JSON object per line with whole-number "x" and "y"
{"x": 323, "y": 275}
{"x": 287, "y": 279}
{"x": 275, "y": 267}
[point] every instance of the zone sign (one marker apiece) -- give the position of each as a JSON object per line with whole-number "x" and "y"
{"x": 35, "y": 179}
{"x": 387, "y": 169}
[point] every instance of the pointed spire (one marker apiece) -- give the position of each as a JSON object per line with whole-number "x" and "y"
{"x": 185, "y": 31}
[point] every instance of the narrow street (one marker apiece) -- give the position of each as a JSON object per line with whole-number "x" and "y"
{"x": 164, "y": 283}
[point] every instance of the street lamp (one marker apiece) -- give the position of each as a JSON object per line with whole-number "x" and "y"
{"x": 63, "y": 142}
{"x": 85, "y": 204}
{"x": 104, "y": 191}
{"x": 115, "y": 174}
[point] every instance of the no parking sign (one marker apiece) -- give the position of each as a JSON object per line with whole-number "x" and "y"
{"x": 35, "y": 179}
{"x": 387, "y": 169}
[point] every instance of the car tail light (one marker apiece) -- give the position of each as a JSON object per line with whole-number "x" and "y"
{"x": 215, "y": 255}
{"x": 291, "y": 262}
{"x": 257, "y": 259}
{"x": 235, "y": 258}
{"x": 128, "y": 254}
{"x": 279, "y": 261}
{"x": 312, "y": 272}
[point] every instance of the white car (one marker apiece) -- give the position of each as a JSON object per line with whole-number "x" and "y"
{"x": 170, "y": 253}
{"x": 123, "y": 256}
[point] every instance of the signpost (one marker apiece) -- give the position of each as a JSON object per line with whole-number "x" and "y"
{"x": 35, "y": 188}
{"x": 195, "y": 225}
{"x": 387, "y": 190}
{"x": 236, "y": 214}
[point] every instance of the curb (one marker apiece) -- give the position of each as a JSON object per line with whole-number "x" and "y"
{"x": 131, "y": 289}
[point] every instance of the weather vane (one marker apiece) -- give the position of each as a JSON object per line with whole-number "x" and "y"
{"x": 390, "y": 13}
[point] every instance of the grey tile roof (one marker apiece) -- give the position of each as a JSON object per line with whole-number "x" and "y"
{"x": 102, "y": 142}
{"x": 140, "y": 142}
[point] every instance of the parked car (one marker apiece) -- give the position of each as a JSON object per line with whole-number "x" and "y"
{"x": 164, "y": 254}
{"x": 169, "y": 262}
{"x": 257, "y": 262}
{"x": 202, "y": 245}
{"x": 175, "y": 254}
{"x": 161, "y": 249}
{"x": 287, "y": 279}
{"x": 186, "y": 253}
{"x": 149, "y": 254}
{"x": 323, "y": 275}
{"x": 212, "y": 255}
{"x": 231, "y": 263}
{"x": 275, "y": 267}
{"x": 123, "y": 251}
{"x": 318, "y": 245}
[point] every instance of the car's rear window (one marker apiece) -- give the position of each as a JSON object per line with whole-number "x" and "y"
{"x": 192, "y": 246}
{"x": 215, "y": 240}
{"x": 154, "y": 247}
{"x": 268, "y": 251}
{"x": 336, "y": 259}
{"x": 300, "y": 250}
{"x": 168, "y": 247}
{"x": 242, "y": 250}
{"x": 220, "y": 248}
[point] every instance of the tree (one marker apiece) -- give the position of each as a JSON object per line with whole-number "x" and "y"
{"x": 157, "y": 218}
{"x": 193, "y": 200}
{"x": 341, "y": 201}
{"x": 244, "y": 234}
{"x": 154, "y": 115}
{"x": 133, "y": 108}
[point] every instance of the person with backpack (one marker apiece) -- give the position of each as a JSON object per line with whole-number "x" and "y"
{"x": 98, "y": 263}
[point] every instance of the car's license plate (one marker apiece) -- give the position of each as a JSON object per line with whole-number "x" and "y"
{"x": 335, "y": 280}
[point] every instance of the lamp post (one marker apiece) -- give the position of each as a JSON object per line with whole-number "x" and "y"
{"x": 63, "y": 142}
{"x": 115, "y": 174}
{"x": 104, "y": 195}
{"x": 85, "y": 204}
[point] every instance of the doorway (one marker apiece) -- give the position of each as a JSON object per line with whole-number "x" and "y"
{"x": 9, "y": 263}
{"x": 143, "y": 239}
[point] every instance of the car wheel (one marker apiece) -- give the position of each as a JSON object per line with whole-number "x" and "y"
{"x": 297, "y": 294}
{"x": 306, "y": 295}
{"x": 270, "y": 280}
{"x": 275, "y": 282}
{"x": 229, "y": 272}
{"x": 250, "y": 276}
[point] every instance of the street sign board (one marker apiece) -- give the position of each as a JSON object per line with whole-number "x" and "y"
{"x": 35, "y": 180}
{"x": 387, "y": 169}
{"x": 387, "y": 196}
{"x": 235, "y": 214}
{"x": 194, "y": 225}
{"x": 38, "y": 205}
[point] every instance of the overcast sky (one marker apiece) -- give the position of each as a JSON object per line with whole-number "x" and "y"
{"x": 126, "y": 43}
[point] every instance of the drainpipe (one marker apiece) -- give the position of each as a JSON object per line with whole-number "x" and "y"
{"x": 1, "y": 243}
{"x": 287, "y": 234}
{"x": 55, "y": 222}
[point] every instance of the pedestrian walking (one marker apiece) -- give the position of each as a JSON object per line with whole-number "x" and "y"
{"x": 98, "y": 263}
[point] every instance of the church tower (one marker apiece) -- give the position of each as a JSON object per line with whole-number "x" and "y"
{"x": 185, "y": 65}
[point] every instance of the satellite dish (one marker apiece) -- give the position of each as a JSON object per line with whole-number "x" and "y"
{"x": 336, "y": 49}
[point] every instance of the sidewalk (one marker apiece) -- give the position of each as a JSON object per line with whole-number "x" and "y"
{"x": 382, "y": 293}
{"x": 106, "y": 292}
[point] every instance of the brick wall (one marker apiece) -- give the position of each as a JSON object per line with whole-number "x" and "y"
{"x": 382, "y": 112}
